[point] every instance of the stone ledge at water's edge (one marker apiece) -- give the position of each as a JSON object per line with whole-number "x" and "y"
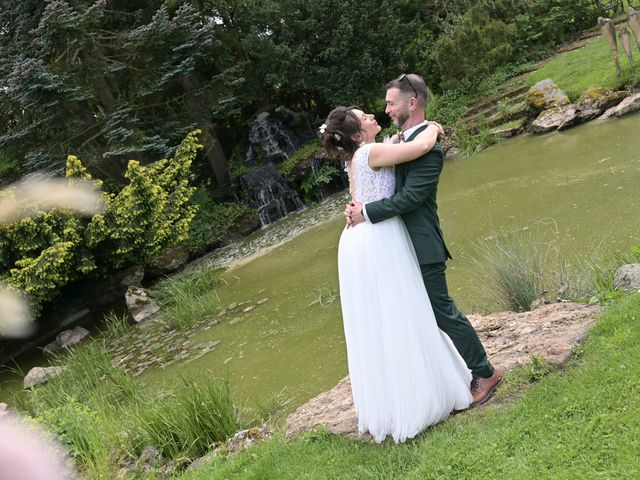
{"x": 546, "y": 108}
{"x": 551, "y": 332}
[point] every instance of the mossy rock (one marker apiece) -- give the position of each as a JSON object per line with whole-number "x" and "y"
{"x": 545, "y": 95}
{"x": 171, "y": 260}
{"x": 602, "y": 98}
{"x": 509, "y": 129}
{"x": 516, "y": 111}
{"x": 556, "y": 118}
{"x": 299, "y": 163}
{"x": 246, "y": 223}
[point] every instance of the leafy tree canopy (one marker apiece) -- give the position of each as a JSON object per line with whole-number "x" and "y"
{"x": 108, "y": 81}
{"x": 111, "y": 80}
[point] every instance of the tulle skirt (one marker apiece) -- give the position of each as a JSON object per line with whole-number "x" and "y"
{"x": 405, "y": 373}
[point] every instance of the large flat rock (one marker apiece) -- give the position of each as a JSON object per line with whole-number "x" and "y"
{"x": 628, "y": 105}
{"x": 550, "y": 332}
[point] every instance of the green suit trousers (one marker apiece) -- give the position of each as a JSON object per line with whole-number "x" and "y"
{"x": 452, "y": 322}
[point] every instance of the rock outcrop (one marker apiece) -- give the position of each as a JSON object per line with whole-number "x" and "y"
{"x": 545, "y": 95}
{"x": 555, "y": 110}
{"x": 511, "y": 339}
{"x": 332, "y": 410}
{"x": 508, "y": 132}
{"x": 628, "y": 277}
{"x": 132, "y": 276}
{"x": 595, "y": 101}
{"x": 39, "y": 375}
{"x": 628, "y": 105}
{"x": 172, "y": 260}
{"x": 556, "y": 118}
{"x": 68, "y": 339}
{"x": 140, "y": 304}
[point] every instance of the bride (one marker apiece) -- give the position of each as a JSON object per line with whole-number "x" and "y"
{"x": 405, "y": 373}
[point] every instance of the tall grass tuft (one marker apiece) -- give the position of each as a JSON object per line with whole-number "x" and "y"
{"x": 604, "y": 272}
{"x": 188, "y": 298}
{"x": 115, "y": 325}
{"x": 82, "y": 405}
{"x": 187, "y": 420}
{"x": 274, "y": 409}
{"x": 510, "y": 267}
{"x": 521, "y": 268}
{"x": 469, "y": 143}
{"x": 88, "y": 375}
{"x": 105, "y": 415}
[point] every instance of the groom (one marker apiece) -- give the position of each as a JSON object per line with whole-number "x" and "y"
{"x": 415, "y": 201}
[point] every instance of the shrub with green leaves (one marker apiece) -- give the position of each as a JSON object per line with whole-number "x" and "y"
{"x": 151, "y": 213}
{"x": 313, "y": 183}
{"x": 9, "y": 164}
{"x": 310, "y": 169}
{"x": 43, "y": 253}
{"x": 476, "y": 45}
{"x": 213, "y": 220}
{"x": 541, "y": 24}
{"x": 305, "y": 153}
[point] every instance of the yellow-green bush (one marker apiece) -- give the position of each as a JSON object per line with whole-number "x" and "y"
{"x": 41, "y": 254}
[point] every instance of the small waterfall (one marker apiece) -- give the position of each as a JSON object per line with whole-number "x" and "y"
{"x": 269, "y": 144}
{"x": 269, "y": 141}
{"x": 269, "y": 194}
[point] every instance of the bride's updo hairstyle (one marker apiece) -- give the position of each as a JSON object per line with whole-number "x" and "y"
{"x": 336, "y": 133}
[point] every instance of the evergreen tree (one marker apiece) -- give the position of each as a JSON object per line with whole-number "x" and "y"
{"x": 107, "y": 81}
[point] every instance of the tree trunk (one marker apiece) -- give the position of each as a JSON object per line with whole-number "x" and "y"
{"x": 218, "y": 161}
{"x": 213, "y": 150}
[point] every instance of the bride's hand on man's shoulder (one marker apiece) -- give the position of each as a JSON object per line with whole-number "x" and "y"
{"x": 428, "y": 136}
{"x": 439, "y": 127}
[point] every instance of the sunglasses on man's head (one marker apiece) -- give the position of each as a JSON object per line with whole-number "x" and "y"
{"x": 404, "y": 77}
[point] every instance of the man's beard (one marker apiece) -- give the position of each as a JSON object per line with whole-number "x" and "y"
{"x": 402, "y": 118}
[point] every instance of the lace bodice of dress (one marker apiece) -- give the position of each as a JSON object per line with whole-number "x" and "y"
{"x": 371, "y": 185}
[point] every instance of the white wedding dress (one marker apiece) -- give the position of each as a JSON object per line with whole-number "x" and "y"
{"x": 405, "y": 373}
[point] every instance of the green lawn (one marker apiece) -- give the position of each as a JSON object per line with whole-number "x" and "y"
{"x": 580, "y": 423}
{"x": 586, "y": 67}
{"x": 510, "y": 124}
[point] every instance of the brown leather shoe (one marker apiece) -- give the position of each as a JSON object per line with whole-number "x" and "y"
{"x": 483, "y": 389}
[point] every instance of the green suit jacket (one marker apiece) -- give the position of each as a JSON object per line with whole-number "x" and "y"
{"x": 415, "y": 201}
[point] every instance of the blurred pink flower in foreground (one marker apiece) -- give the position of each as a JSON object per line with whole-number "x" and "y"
{"x": 29, "y": 453}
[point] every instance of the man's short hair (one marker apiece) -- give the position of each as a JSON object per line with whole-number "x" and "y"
{"x": 411, "y": 84}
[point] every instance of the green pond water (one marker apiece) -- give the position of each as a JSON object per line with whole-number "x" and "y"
{"x": 581, "y": 185}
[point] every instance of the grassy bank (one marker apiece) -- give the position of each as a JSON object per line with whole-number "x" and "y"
{"x": 587, "y": 67}
{"x": 575, "y": 72}
{"x": 108, "y": 417}
{"x": 578, "y": 423}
